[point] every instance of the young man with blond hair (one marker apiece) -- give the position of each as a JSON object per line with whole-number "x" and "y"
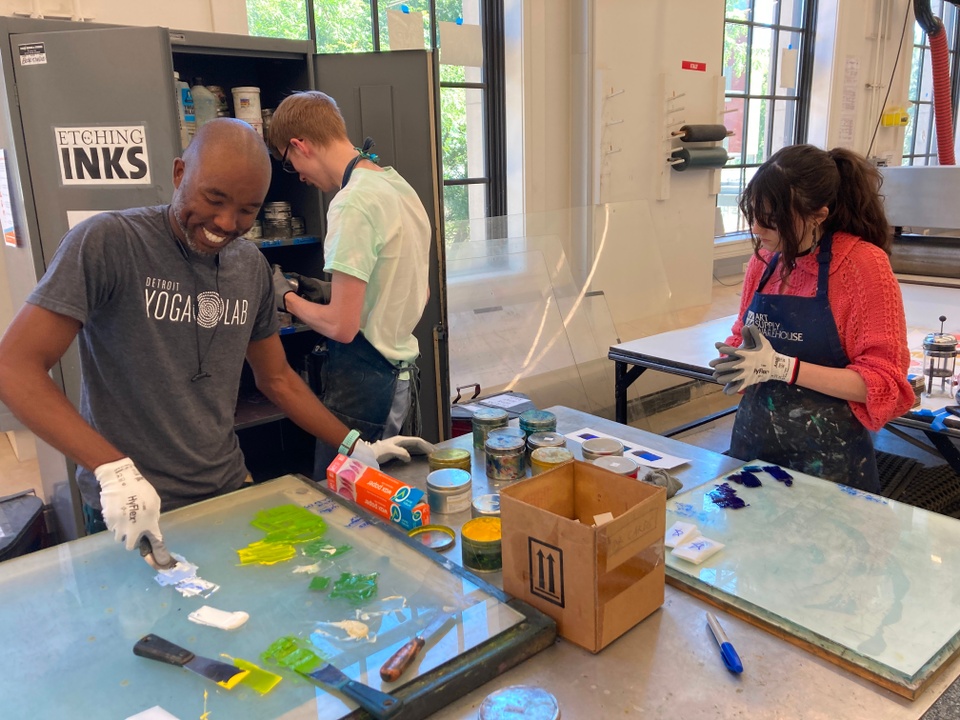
{"x": 377, "y": 250}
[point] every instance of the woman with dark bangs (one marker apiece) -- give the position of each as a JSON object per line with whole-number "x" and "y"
{"x": 819, "y": 348}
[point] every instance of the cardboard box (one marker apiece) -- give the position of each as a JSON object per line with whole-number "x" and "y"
{"x": 596, "y": 582}
{"x": 386, "y": 496}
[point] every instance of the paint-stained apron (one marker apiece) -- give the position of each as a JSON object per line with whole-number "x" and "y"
{"x": 793, "y": 426}
{"x": 357, "y": 384}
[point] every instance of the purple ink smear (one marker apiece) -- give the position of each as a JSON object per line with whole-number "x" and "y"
{"x": 726, "y": 497}
{"x": 779, "y": 474}
{"x": 745, "y": 478}
{"x": 588, "y": 436}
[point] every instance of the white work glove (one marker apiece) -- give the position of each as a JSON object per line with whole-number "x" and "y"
{"x": 131, "y": 507}
{"x": 398, "y": 447}
{"x": 753, "y": 362}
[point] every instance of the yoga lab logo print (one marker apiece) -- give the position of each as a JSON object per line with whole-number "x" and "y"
{"x": 546, "y": 571}
{"x": 209, "y": 309}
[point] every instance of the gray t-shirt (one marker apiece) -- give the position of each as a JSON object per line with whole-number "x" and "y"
{"x": 152, "y": 314}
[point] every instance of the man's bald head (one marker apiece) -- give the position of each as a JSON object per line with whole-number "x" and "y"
{"x": 232, "y": 138}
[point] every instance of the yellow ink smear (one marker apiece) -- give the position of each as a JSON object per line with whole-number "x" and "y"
{"x": 289, "y": 652}
{"x": 266, "y": 553}
{"x": 263, "y": 681}
{"x": 289, "y": 523}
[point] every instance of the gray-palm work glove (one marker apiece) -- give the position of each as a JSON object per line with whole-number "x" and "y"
{"x": 281, "y": 286}
{"x": 753, "y": 362}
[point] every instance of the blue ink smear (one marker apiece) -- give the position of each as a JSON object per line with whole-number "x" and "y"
{"x": 726, "y": 497}
{"x": 780, "y": 474}
{"x": 685, "y": 510}
{"x": 588, "y": 436}
{"x": 753, "y": 468}
{"x": 861, "y": 494}
{"x": 646, "y": 455}
{"x": 745, "y": 478}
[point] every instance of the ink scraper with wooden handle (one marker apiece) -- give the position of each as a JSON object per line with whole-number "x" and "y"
{"x": 394, "y": 667}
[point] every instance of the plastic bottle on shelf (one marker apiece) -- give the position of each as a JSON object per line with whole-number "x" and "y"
{"x": 184, "y": 140}
{"x": 189, "y": 118}
{"x": 204, "y": 103}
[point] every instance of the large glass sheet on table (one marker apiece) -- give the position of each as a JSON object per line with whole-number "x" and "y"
{"x": 865, "y": 581}
{"x": 70, "y": 616}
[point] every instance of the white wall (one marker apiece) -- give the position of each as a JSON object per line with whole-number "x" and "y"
{"x": 228, "y": 16}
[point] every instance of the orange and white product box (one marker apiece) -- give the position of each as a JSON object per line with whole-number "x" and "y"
{"x": 376, "y": 491}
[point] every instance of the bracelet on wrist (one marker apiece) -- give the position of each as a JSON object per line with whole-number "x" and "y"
{"x": 349, "y": 441}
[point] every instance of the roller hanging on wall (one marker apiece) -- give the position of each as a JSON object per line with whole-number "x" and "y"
{"x": 711, "y": 158}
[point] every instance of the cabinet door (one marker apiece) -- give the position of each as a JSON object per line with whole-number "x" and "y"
{"x": 390, "y": 97}
{"x": 99, "y": 121}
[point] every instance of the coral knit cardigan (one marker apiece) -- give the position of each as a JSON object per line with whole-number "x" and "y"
{"x": 868, "y": 309}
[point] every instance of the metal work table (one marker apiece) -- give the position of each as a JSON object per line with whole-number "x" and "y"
{"x": 687, "y": 352}
{"x": 669, "y": 664}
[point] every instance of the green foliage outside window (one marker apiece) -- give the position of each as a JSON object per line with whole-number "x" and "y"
{"x": 345, "y": 26}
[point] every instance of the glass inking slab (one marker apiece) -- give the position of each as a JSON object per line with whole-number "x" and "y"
{"x": 70, "y": 616}
{"x": 863, "y": 581}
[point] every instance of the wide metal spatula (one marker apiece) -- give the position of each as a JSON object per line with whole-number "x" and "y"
{"x": 156, "y": 648}
{"x": 380, "y": 705}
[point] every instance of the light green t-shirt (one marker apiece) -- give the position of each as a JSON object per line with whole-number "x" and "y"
{"x": 378, "y": 231}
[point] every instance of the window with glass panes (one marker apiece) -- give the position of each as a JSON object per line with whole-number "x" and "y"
{"x": 471, "y": 114}
{"x": 766, "y": 102}
{"x": 920, "y": 138}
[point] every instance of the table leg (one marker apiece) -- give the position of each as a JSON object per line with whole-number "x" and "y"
{"x": 623, "y": 379}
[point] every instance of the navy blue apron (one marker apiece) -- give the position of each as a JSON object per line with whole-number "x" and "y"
{"x": 357, "y": 384}
{"x": 793, "y": 426}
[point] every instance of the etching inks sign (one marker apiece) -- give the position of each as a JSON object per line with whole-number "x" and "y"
{"x": 103, "y": 155}
{"x": 546, "y": 571}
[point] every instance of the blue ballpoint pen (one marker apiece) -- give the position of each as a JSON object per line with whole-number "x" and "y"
{"x": 727, "y": 652}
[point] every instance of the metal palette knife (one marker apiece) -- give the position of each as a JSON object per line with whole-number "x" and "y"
{"x": 156, "y": 648}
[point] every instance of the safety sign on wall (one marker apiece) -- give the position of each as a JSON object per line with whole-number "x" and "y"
{"x": 103, "y": 155}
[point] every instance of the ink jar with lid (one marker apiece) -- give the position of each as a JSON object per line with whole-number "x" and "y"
{"x": 485, "y": 420}
{"x": 535, "y": 421}
{"x": 547, "y": 458}
{"x": 449, "y": 458}
{"x": 619, "y": 465}
{"x": 538, "y": 440}
{"x": 598, "y": 447}
{"x": 449, "y": 490}
{"x": 505, "y": 457}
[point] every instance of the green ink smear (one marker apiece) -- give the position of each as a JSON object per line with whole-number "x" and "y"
{"x": 318, "y": 548}
{"x": 292, "y": 653}
{"x": 355, "y": 588}
{"x": 320, "y": 583}
{"x": 286, "y": 526}
{"x": 289, "y": 523}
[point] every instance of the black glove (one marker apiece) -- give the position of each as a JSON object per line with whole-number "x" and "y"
{"x": 311, "y": 288}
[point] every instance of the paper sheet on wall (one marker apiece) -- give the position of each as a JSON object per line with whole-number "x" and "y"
{"x": 460, "y": 45}
{"x": 643, "y": 455}
{"x": 405, "y": 30}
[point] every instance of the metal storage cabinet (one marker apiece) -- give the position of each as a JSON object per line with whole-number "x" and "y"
{"x": 78, "y": 75}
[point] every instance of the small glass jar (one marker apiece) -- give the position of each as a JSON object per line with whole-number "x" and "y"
{"x": 598, "y": 447}
{"x": 449, "y": 490}
{"x": 485, "y": 420}
{"x": 505, "y": 457}
{"x": 536, "y": 421}
{"x": 547, "y": 458}
{"x": 449, "y": 458}
{"x": 619, "y": 465}
{"x": 480, "y": 543}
